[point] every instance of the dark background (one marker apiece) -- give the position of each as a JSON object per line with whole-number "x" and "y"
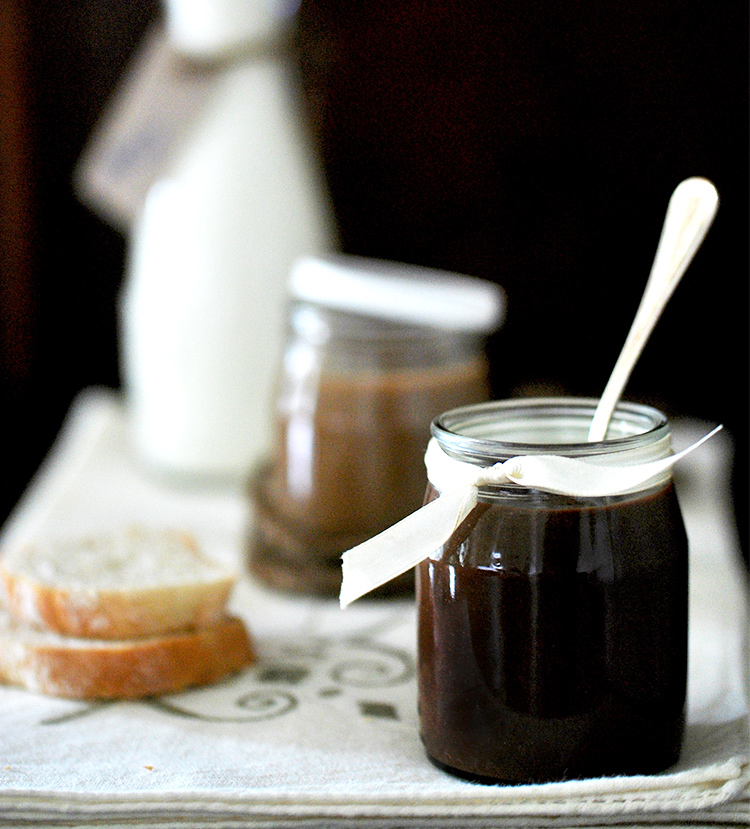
{"x": 529, "y": 144}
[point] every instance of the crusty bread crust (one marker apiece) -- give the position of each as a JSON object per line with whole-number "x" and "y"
{"x": 193, "y": 598}
{"x": 98, "y": 670}
{"x": 111, "y": 614}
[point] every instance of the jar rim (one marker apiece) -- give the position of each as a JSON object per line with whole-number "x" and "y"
{"x": 480, "y": 432}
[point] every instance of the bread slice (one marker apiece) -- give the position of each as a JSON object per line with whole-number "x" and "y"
{"x": 96, "y": 669}
{"x": 125, "y": 585}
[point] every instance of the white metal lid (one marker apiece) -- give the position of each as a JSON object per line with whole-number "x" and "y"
{"x": 402, "y": 293}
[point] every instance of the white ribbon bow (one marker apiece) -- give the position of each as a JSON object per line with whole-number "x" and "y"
{"x": 414, "y": 538}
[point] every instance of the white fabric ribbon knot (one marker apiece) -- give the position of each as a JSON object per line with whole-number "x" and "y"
{"x": 414, "y": 538}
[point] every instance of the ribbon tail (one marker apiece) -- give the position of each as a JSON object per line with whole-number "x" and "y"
{"x": 403, "y": 545}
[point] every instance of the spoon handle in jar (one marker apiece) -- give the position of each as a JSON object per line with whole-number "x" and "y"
{"x": 690, "y": 212}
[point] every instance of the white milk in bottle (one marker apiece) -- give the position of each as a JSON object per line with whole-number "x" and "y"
{"x": 202, "y": 309}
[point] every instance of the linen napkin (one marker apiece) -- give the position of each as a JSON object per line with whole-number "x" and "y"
{"x": 322, "y": 731}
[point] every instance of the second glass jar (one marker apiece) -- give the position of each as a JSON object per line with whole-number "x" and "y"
{"x": 364, "y": 372}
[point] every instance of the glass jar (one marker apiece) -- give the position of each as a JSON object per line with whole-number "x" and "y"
{"x": 374, "y": 352}
{"x": 553, "y": 630}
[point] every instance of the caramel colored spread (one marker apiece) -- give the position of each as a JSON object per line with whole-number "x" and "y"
{"x": 349, "y": 463}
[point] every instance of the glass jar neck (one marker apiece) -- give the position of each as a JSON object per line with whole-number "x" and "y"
{"x": 493, "y": 432}
{"x": 353, "y": 339}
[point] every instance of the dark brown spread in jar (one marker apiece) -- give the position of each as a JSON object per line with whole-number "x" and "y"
{"x": 553, "y": 639}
